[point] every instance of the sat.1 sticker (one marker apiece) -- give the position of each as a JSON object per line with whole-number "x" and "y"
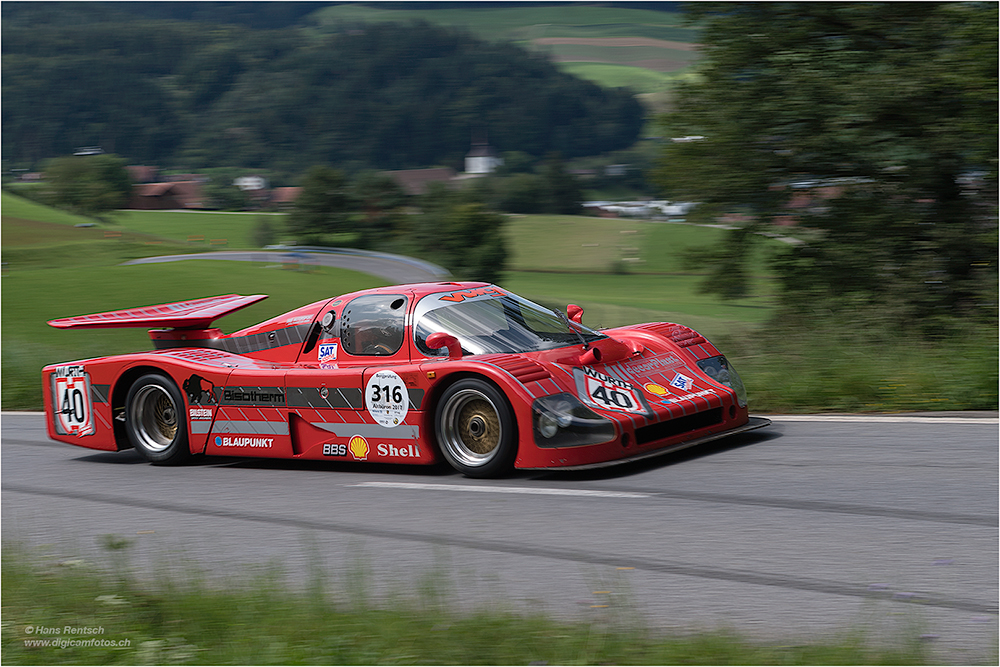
{"x": 608, "y": 393}
{"x": 74, "y": 414}
{"x": 386, "y": 398}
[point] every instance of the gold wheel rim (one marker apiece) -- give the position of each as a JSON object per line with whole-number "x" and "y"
{"x": 479, "y": 426}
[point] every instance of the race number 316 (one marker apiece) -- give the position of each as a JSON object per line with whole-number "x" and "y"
{"x": 386, "y": 398}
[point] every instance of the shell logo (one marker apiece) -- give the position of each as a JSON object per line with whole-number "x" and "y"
{"x": 359, "y": 448}
{"x": 654, "y": 388}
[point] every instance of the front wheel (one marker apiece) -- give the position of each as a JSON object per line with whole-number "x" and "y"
{"x": 476, "y": 429}
{"x": 154, "y": 420}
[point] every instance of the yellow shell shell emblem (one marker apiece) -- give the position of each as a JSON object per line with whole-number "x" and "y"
{"x": 359, "y": 448}
{"x": 654, "y": 388}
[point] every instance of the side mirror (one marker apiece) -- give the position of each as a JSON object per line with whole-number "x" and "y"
{"x": 328, "y": 319}
{"x": 441, "y": 339}
{"x": 574, "y": 313}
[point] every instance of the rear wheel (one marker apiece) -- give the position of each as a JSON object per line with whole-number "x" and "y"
{"x": 476, "y": 429}
{"x": 154, "y": 420}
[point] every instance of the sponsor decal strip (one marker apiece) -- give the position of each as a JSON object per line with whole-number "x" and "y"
{"x": 256, "y": 427}
{"x": 250, "y": 396}
{"x": 531, "y": 491}
{"x": 99, "y": 393}
{"x": 646, "y": 366}
{"x": 373, "y": 431}
{"x": 243, "y": 441}
{"x": 336, "y": 398}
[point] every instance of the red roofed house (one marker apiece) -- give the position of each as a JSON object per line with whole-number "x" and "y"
{"x": 416, "y": 181}
{"x": 143, "y": 174}
{"x": 165, "y": 196}
{"x": 284, "y": 197}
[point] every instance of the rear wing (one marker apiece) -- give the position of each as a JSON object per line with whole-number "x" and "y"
{"x": 197, "y": 314}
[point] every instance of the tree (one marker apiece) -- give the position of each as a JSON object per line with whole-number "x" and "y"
{"x": 879, "y": 119}
{"x": 380, "y": 199}
{"x": 91, "y": 185}
{"x": 323, "y": 207}
{"x": 520, "y": 193}
{"x": 563, "y": 192}
{"x": 263, "y": 232}
{"x": 459, "y": 233}
{"x": 383, "y": 96}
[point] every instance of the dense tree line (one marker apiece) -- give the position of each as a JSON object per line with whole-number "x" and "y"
{"x": 92, "y": 185}
{"x": 880, "y": 121}
{"x": 258, "y": 15}
{"x": 387, "y": 96}
{"x": 451, "y": 227}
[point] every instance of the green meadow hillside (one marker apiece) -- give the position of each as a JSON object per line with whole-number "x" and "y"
{"x": 54, "y": 269}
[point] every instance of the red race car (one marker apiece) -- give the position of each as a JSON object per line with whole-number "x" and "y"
{"x": 407, "y": 374}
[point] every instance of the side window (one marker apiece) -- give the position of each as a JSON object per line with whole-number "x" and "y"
{"x": 373, "y": 325}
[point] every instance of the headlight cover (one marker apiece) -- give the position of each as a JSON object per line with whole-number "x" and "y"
{"x": 720, "y": 370}
{"x": 561, "y": 420}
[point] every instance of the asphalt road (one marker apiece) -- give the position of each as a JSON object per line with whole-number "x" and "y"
{"x": 810, "y": 527}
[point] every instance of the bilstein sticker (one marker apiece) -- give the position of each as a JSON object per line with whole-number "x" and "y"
{"x": 200, "y": 414}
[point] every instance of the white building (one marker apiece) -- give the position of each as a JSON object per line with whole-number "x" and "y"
{"x": 482, "y": 159}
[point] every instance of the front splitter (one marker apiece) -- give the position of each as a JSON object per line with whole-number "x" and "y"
{"x": 751, "y": 425}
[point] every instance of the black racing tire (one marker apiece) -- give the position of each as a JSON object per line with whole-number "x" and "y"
{"x": 155, "y": 420}
{"x": 475, "y": 429}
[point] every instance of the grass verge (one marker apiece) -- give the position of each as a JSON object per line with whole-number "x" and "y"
{"x": 33, "y": 296}
{"x": 261, "y": 620}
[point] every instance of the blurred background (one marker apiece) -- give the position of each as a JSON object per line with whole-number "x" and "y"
{"x": 790, "y": 178}
{"x": 811, "y": 185}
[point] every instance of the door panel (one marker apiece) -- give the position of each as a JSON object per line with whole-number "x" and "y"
{"x": 251, "y": 419}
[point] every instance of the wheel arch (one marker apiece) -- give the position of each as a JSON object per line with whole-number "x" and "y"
{"x": 433, "y": 399}
{"x": 119, "y": 393}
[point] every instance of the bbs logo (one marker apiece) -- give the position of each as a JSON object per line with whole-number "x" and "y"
{"x": 331, "y": 449}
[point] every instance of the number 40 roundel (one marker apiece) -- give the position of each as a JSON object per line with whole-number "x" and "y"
{"x": 74, "y": 414}
{"x": 608, "y": 393}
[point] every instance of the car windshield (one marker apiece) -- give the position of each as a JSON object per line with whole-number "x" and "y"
{"x": 491, "y": 320}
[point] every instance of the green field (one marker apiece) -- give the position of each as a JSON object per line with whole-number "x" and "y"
{"x": 56, "y": 270}
{"x": 620, "y": 271}
{"x": 204, "y": 229}
{"x": 639, "y": 79}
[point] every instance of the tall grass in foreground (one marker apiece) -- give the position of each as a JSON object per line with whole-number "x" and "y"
{"x": 862, "y": 364}
{"x": 262, "y": 621}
